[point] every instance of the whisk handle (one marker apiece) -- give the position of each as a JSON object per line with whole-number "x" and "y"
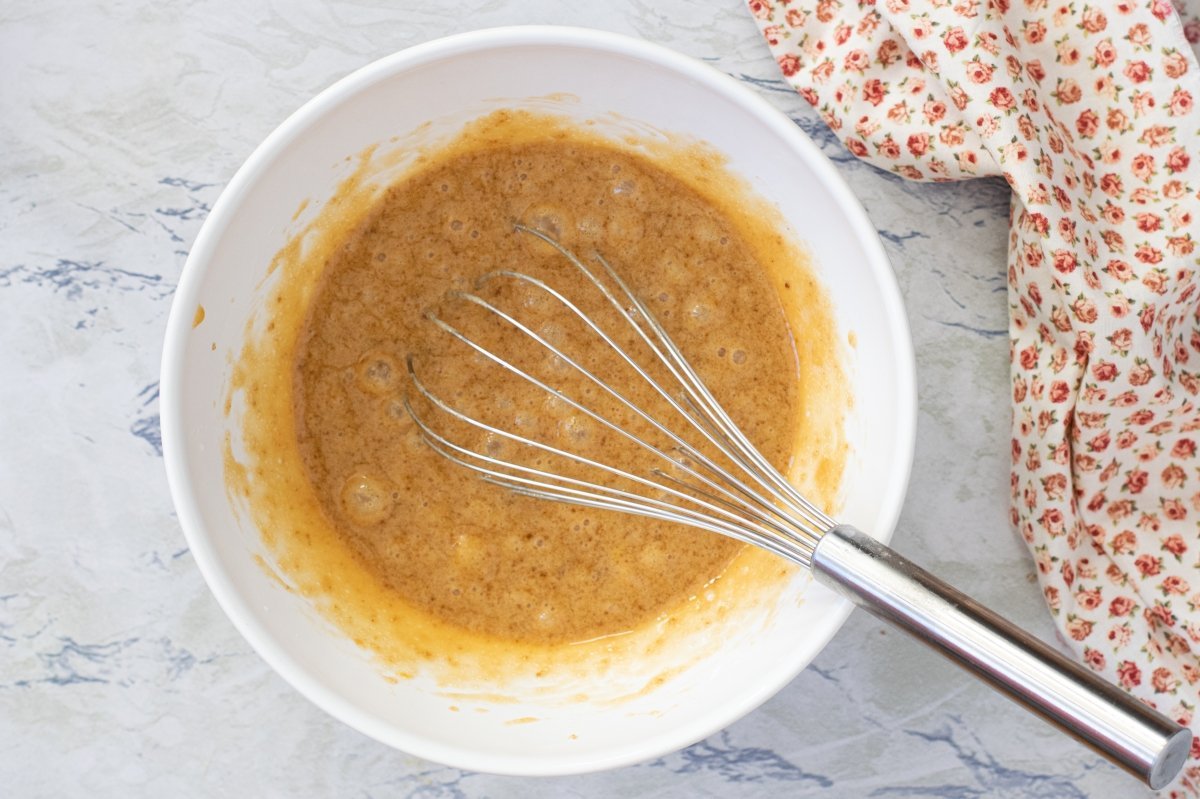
{"x": 1114, "y": 723}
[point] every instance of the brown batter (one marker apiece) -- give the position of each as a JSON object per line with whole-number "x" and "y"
{"x": 472, "y": 554}
{"x": 353, "y": 567}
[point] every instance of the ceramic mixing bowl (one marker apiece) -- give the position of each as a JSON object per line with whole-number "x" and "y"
{"x": 435, "y": 88}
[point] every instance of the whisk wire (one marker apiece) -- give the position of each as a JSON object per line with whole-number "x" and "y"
{"x": 731, "y": 441}
{"x": 544, "y": 488}
{"x": 749, "y": 525}
{"x": 731, "y": 486}
{"x": 558, "y": 395}
{"x": 712, "y": 487}
{"x": 708, "y": 413}
{"x": 691, "y": 416}
{"x": 749, "y": 457}
{"x": 572, "y": 362}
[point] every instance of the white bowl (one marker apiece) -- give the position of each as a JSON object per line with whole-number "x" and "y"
{"x": 449, "y": 82}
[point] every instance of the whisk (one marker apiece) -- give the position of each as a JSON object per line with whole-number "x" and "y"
{"x": 708, "y": 475}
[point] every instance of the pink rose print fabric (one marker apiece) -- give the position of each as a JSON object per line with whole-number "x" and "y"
{"x": 1087, "y": 109}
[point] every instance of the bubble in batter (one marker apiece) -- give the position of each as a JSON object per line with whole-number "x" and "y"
{"x": 394, "y": 409}
{"x": 376, "y": 373}
{"x": 553, "y": 333}
{"x": 548, "y": 219}
{"x": 526, "y": 296}
{"x": 575, "y": 429}
{"x": 704, "y": 231}
{"x": 625, "y": 187}
{"x": 401, "y": 428}
{"x": 366, "y": 499}
{"x": 546, "y": 617}
{"x": 497, "y": 446}
{"x": 470, "y": 552}
{"x": 590, "y": 226}
{"x": 653, "y": 555}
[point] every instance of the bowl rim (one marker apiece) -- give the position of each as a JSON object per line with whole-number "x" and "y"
{"x": 186, "y": 297}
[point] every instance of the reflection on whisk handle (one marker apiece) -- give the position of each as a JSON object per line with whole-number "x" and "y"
{"x": 1111, "y": 721}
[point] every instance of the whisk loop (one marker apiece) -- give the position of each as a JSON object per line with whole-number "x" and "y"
{"x": 704, "y": 472}
{"x": 751, "y": 506}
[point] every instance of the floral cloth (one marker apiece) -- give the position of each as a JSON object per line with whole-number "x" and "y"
{"x": 1088, "y": 111}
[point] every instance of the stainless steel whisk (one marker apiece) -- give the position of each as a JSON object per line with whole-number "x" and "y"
{"x": 741, "y": 495}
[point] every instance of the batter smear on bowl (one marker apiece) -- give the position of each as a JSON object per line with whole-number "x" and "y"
{"x": 462, "y": 549}
{"x": 405, "y": 545}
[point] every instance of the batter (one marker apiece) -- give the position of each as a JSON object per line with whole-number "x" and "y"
{"x": 478, "y": 557}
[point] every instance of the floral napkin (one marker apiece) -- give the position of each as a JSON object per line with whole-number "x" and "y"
{"x": 1088, "y": 111}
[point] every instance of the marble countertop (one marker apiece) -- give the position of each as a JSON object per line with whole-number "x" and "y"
{"x": 120, "y": 676}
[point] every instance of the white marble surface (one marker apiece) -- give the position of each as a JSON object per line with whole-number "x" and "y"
{"x": 119, "y": 675}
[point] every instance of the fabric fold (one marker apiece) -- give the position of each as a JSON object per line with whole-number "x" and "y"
{"x": 1087, "y": 111}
